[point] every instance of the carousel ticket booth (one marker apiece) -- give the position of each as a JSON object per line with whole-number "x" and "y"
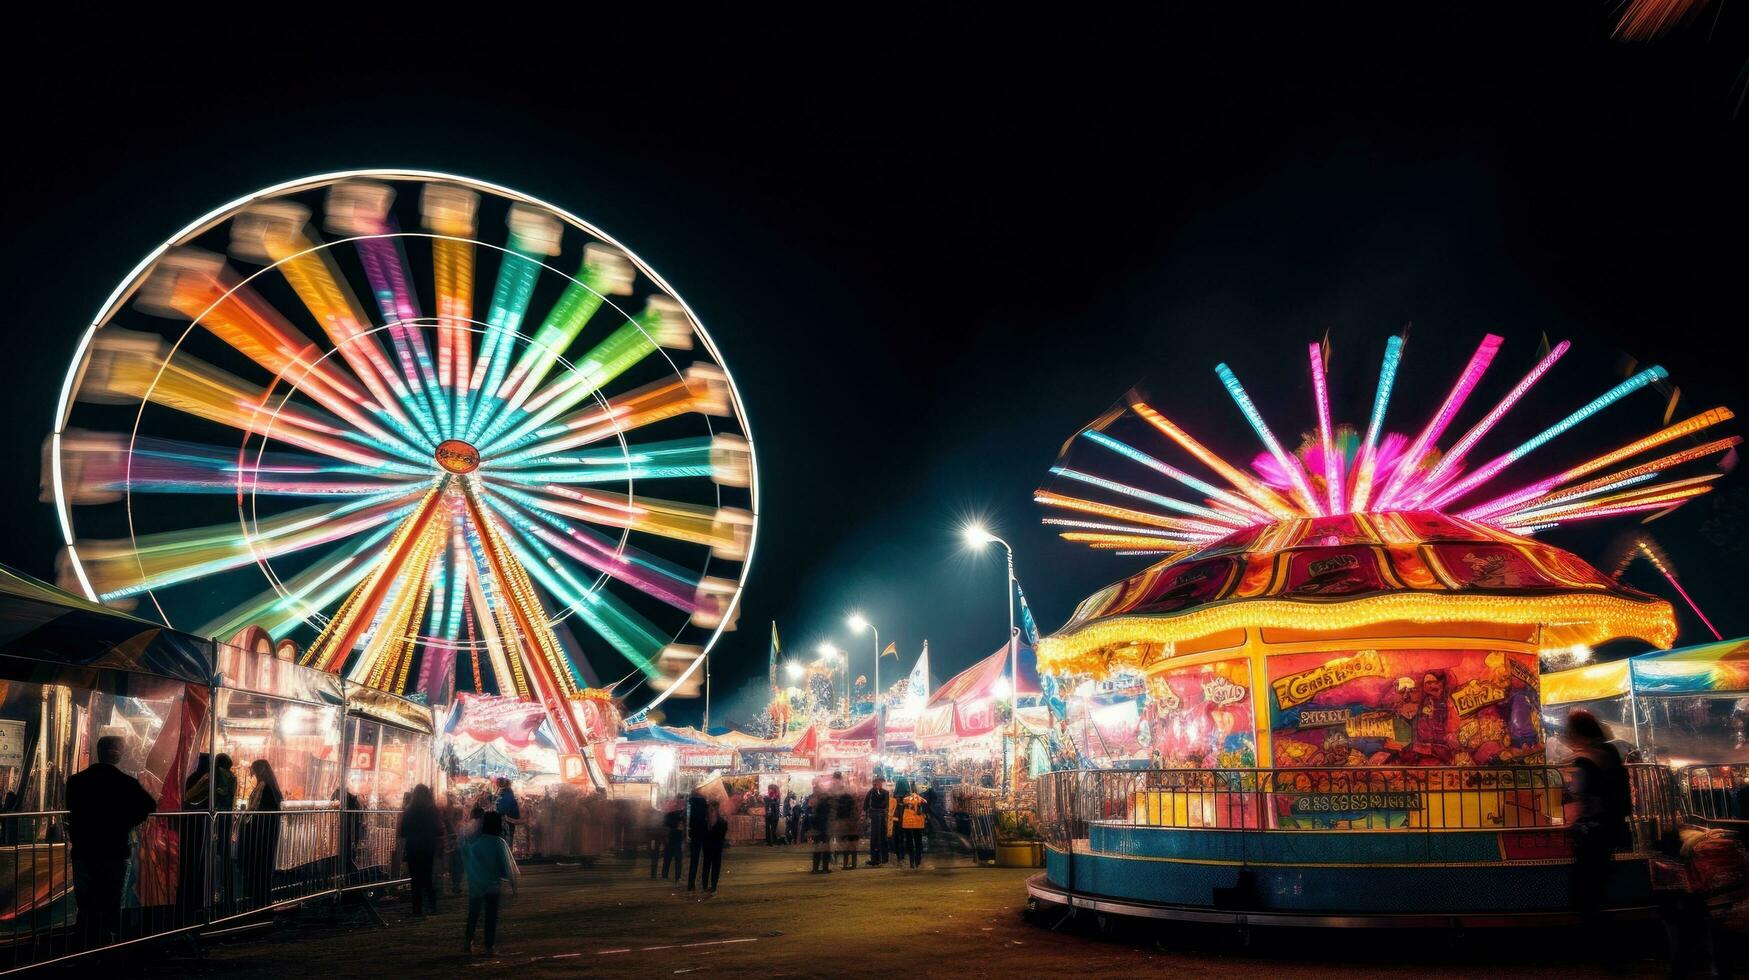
{"x": 1342, "y": 716}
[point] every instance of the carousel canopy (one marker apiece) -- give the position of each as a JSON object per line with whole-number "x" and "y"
{"x": 40, "y": 623}
{"x": 1709, "y": 668}
{"x": 1351, "y": 571}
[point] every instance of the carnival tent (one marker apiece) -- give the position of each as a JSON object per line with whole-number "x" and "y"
{"x": 1708, "y": 668}
{"x": 965, "y": 706}
{"x": 40, "y": 623}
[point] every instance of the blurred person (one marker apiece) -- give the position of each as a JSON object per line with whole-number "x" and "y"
{"x": 698, "y": 820}
{"x": 716, "y": 837}
{"x": 489, "y": 864}
{"x": 674, "y": 824}
{"x": 509, "y": 813}
{"x": 820, "y": 818}
{"x": 913, "y": 810}
{"x": 773, "y": 810}
{"x": 453, "y": 826}
{"x": 259, "y": 845}
{"x": 792, "y": 817}
{"x": 420, "y": 832}
{"x": 845, "y": 839}
{"x": 192, "y": 887}
{"x": 876, "y": 805}
{"x": 1600, "y": 787}
{"x": 104, "y": 805}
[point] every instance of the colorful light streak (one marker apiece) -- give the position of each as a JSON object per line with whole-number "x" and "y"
{"x": 1419, "y": 477}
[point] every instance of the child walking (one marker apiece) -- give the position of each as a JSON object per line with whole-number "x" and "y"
{"x": 488, "y": 862}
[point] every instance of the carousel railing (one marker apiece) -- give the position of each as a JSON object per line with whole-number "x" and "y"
{"x": 1313, "y": 800}
{"x": 1714, "y": 792}
{"x": 183, "y": 872}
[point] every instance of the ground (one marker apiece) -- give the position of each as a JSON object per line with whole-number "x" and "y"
{"x": 773, "y": 919}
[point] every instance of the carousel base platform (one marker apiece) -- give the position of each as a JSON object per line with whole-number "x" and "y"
{"x": 1360, "y": 879}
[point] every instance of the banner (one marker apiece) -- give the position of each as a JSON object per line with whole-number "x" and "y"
{"x": 486, "y": 717}
{"x": 1200, "y": 717}
{"x": 1405, "y": 708}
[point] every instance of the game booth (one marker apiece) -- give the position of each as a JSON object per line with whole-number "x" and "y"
{"x": 1342, "y": 717}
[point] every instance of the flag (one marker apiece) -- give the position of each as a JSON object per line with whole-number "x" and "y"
{"x": 1028, "y": 627}
{"x": 917, "y": 686}
{"x": 892, "y": 648}
{"x": 775, "y": 652}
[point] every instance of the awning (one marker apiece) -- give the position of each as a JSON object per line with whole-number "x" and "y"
{"x": 41, "y": 624}
{"x": 1709, "y": 668}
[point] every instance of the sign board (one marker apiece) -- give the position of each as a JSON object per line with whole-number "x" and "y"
{"x": 571, "y": 769}
{"x": 11, "y": 743}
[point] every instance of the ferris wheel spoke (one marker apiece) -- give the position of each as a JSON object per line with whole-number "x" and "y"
{"x": 101, "y": 467}
{"x": 533, "y": 235}
{"x": 280, "y": 233}
{"x": 605, "y": 272}
{"x": 306, "y": 594}
{"x": 725, "y": 530}
{"x": 702, "y": 389}
{"x": 129, "y": 567}
{"x": 663, "y": 323}
{"x": 128, "y": 367}
{"x": 410, "y": 544}
{"x": 600, "y": 554}
{"x": 450, "y": 213}
{"x": 724, "y": 459}
{"x": 197, "y": 286}
{"x": 359, "y": 209}
{"x": 632, "y": 636}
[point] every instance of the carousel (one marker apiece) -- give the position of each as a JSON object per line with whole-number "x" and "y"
{"x": 1340, "y": 652}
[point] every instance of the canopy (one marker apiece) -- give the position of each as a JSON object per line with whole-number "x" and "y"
{"x": 979, "y": 680}
{"x": 42, "y": 624}
{"x": 1349, "y": 572}
{"x": 1709, "y": 668}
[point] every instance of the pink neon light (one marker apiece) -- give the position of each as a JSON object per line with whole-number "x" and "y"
{"x": 1321, "y": 391}
{"x": 1447, "y": 467}
{"x": 1466, "y": 383}
{"x": 1691, "y": 603}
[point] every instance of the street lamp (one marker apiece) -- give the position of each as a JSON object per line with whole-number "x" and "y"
{"x": 793, "y": 671}
{"x": 857, "y": 624}
{"x": 976, "y": 536}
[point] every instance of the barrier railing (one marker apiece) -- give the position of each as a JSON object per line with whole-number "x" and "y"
{"x": 181, "y": 872}
{"x": 1332, "y": 799}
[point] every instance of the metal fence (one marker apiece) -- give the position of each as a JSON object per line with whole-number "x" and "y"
{"x": 183, "y": 872}
{"x": 1320, "y": 800}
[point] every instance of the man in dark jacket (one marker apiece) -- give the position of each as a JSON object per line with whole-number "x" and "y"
{"x": 674, "y": 829}
{"x": 698, "y": 822}
{"x": 104, "y": 804}
{"x": 875, "y": 803}
{"x": 820, "y": 820}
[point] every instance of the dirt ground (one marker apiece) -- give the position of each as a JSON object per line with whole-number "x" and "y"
{"x": 773, "y": 919}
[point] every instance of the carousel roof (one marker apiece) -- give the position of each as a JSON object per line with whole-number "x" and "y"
{"x": 1355, "y": 570}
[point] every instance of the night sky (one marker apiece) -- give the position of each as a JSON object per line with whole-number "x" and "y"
{"x": 931, "y": 249}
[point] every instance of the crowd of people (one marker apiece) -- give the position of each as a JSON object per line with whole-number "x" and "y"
{"x": 837, "y": 819}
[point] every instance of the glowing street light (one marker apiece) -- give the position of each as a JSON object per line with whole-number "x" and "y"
{"x": 976, "y": 536}
{"x": 793, "y": 671}
{"x": 858, "y": 623}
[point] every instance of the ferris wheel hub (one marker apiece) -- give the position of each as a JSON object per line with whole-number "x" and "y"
{"x": 456, "y": 456}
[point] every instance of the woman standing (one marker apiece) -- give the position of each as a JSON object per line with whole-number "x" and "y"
{"x": 488, "y": 863}
{"x": 420, "y": 830}
{"x": 260, "y": 840}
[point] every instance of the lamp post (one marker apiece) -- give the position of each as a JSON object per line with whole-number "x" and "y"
{"x": 977, "y": 536}
{"x": 858, "y": 623}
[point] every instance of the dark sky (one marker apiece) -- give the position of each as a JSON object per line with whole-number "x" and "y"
{"x": 932, "y": 249}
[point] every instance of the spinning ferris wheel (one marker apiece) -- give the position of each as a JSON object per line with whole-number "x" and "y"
{"x": 440, "y": 434}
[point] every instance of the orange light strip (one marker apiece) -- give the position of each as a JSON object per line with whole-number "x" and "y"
{"x": 1051, "y": 498}
{"x": 1258, "y": 494}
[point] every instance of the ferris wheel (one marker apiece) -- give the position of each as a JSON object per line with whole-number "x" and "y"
{"x": 441, "y": 434}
